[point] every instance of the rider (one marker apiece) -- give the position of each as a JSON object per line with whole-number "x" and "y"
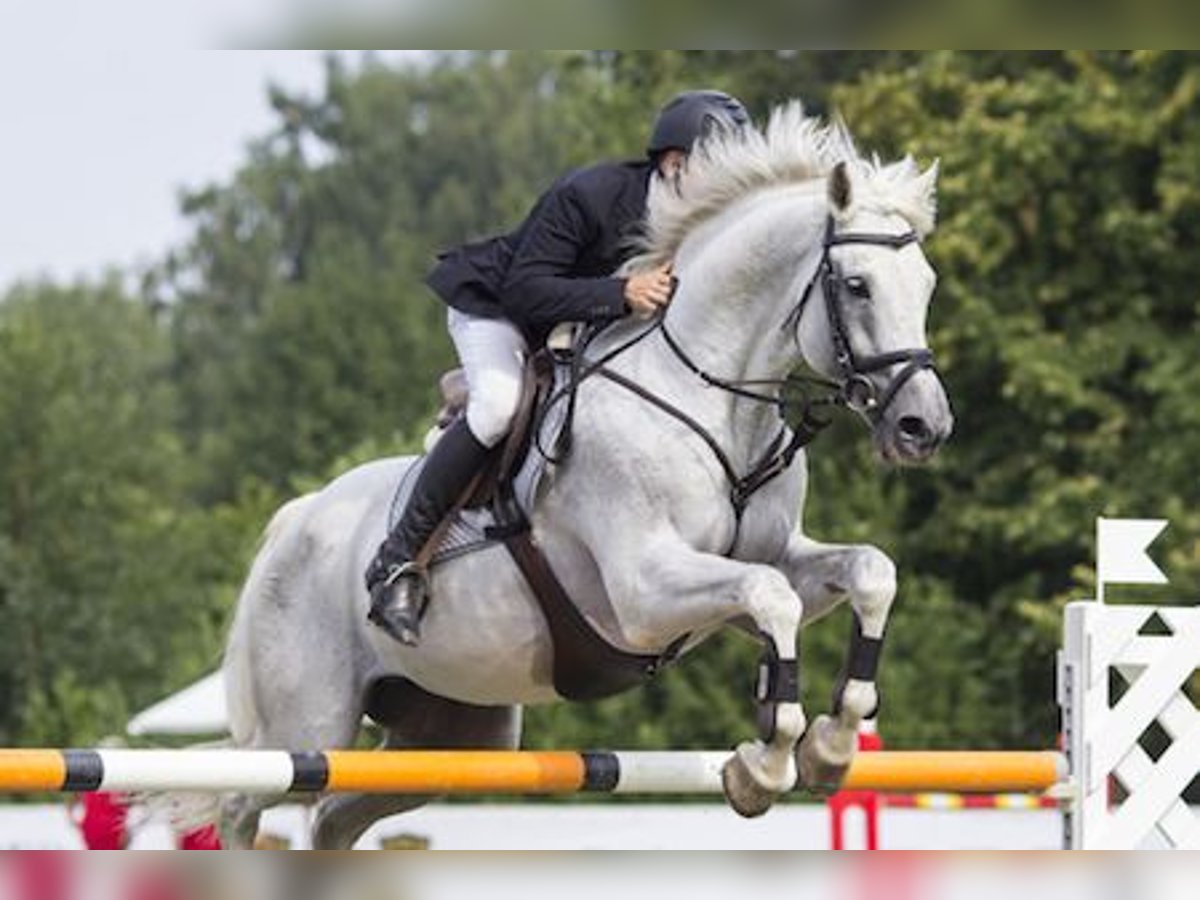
{"x": 506, "y": 294}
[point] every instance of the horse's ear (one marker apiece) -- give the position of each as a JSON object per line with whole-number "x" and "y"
{"x": 841, "y": 191}
{"x": 924, "y": 195}
{"x": 927, "y": 187}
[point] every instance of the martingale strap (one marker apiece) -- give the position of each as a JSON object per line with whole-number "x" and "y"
{"x": 586, "y": 666}
{"x": 774, "y": 461}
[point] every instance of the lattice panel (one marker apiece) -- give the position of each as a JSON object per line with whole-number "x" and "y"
{"x": 1154, "y": 651}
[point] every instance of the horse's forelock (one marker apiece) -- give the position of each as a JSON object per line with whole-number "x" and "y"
{"x": 792, "y": 149}
{"x": 903, "y": 189}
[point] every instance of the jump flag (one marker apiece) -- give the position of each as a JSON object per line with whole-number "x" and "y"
{"x": 1121, "y": 556}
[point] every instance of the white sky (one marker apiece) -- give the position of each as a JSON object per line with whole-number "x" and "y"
{"x": 96, "y": 141}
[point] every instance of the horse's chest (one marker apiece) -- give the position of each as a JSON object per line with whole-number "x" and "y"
{"x": 764, "y": 534}
{"x": 761, "y": 532}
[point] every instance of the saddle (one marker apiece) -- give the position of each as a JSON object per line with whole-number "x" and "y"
{"x": 496, "y": 509}
{"x": 537, "y": 382}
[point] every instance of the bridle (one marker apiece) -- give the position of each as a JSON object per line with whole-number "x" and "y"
{"x": 856, "y": 389}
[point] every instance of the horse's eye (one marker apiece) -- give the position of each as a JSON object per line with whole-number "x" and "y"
{"x": 858, "y": 287}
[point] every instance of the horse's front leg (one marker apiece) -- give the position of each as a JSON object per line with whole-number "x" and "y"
{"x": 677, "y": 590}
{"x": 825, "y": 575}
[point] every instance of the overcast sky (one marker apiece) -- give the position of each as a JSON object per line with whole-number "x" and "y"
{"x": 96, "y": 141}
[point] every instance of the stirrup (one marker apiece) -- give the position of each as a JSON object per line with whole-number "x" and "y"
{"x": 396, "y": 571}
{"x": 401, "y": 617}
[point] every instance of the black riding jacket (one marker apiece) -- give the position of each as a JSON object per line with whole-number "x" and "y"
{"x": 557, "y": 265}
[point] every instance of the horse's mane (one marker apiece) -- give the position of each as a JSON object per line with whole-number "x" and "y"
{"x": 792, "y": 149}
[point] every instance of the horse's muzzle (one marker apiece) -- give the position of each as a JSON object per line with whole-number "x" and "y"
{"x": 917, "y": 424}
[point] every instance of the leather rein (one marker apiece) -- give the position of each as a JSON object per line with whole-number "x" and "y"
{"x": 855, "y": 389}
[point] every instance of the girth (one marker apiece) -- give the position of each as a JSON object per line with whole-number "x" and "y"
{"x": 585, "y": 665}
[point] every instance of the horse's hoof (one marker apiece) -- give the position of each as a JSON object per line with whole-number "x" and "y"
{"x": 823, "y": 757}
{"x": 746, "y": 796}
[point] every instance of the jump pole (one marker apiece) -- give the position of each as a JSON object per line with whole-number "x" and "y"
{"x": 494, "y": 771}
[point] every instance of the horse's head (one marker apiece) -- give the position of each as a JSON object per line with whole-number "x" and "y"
{"x": 861, "y": 322}
{"x": 729, "y": 224}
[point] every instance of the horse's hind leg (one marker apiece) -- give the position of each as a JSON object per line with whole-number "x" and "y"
{"x": 239, "y": 818}
{"x": 322, "y": 716}
{"x": 289, "y": 688}
{"x": 415, "y": 719}
{"x": 825, "y": 575}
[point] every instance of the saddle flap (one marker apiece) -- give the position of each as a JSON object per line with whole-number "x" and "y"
{"x": 511, "y": 464}
{"x": 537, "y": 380}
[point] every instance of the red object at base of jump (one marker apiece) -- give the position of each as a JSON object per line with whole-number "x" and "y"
{"x": 867, "y": 801}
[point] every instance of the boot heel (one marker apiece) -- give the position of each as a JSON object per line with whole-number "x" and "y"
{"x": 398, "y": 603}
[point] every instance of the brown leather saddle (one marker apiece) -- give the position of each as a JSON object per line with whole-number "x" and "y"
{"x": 536, "y": 384}
{"x": 586, "y": 666}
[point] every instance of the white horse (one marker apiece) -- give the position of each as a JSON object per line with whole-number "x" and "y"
{"x": 789, "y": 248}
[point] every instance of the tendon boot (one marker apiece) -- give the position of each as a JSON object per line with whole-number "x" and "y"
{"x": 399, "y": 586}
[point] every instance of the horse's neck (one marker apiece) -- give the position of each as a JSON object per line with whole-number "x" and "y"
{"x": 740, "y": 275}
{"x": 738, "y": 280}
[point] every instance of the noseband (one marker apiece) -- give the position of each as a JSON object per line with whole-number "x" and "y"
{"x": 856, "y": 389}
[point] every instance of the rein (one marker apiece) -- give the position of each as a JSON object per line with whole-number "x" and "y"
{"x": 855, "y": 391}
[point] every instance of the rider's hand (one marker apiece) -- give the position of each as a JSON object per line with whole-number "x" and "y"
{"x": 646, "y": 292}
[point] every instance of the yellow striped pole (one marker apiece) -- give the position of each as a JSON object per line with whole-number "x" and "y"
{"x": 461, "y": 772}
{"x": 956, "y": 771}
{"x": 495, "y": 771}
{"x": 23, "y": 771}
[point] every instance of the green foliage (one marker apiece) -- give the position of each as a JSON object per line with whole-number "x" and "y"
{"x": 143, "y": 445}
{"x": 1066, "y": 322}
{"x": 97, "y": 592}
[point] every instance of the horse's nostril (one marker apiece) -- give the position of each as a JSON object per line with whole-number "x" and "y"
{"x": 915, "y": 429}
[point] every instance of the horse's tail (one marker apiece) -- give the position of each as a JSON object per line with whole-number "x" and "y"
{"x": 239, "y": 686}
{"x": 183, "y": 812}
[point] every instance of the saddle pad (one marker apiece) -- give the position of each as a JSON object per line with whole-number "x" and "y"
{"x": 468, "y": 531}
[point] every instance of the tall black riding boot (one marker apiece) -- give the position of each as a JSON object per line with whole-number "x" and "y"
{"x": 398, "y": 586}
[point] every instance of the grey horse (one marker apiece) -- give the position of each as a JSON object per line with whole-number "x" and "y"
{"x": 790, "y": 248}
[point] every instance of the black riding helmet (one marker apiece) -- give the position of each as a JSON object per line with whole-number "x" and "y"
{"x": 693, "y": 114}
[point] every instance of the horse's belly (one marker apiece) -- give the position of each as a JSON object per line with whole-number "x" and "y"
{"x": 483, "y": 639}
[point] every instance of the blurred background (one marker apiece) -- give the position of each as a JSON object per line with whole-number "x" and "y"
{"x": 63, "y": 876}
{"x": 211, "y": 300}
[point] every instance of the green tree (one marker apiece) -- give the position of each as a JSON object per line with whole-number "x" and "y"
{"x": 141, "y": 453}
{"x": 104, "y": 593}
{"x": 1066, "y": 324}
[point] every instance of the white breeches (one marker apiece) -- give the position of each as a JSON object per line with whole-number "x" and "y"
{"x": 492, "y": 352}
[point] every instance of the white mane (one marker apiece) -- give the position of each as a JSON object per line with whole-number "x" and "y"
{"x": 793, "y": 149}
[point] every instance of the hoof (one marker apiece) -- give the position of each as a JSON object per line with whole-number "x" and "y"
{"x": 745, "y": 796}
{"x": 823, "y": 757}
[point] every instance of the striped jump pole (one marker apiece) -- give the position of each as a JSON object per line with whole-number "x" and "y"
{"x": 493, "y": 771}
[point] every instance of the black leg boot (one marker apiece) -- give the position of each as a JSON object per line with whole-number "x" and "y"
{"x": 398, "y": 586}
